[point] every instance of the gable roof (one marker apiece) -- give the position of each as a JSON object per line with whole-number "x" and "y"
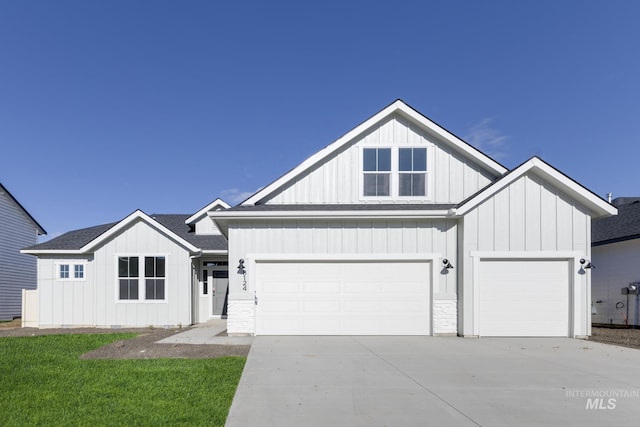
{"x": 398, "y": 107}
{"x": 86, "y": 239}
{"x": 221, "y": 204}
{"x": 624, "y": 226}
{"x": 41, "y": 231}
{"x": 598, "y": 206}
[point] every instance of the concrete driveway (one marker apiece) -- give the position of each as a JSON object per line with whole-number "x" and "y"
{"x": 439, "y": 381}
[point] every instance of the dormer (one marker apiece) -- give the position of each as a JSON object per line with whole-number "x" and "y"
{"x": 201, "y": 223}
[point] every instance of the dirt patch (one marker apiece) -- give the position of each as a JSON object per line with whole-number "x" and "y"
{"x": 144, "y": 346}
{"x": 617, "y": 336}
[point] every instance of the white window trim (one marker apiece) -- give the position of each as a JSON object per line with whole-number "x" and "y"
{"x": 141, "y": 279}
{"x": 394, "y": 179}
{"x": 71, "y": 265}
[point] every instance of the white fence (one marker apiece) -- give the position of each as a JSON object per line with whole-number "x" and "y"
{"x": 30, "y": 309}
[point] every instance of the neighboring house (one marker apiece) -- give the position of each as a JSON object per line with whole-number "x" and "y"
{"x": 17, "y": 271}
{"x": 158, "y": 270}
{"x": 615, "y": 285}
{"x": 397, "y": 228}
{"x": 358, "y": 239}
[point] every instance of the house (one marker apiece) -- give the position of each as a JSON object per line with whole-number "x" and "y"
{"x": 401, "y": 228}
{"x": 145, "y": 270}
{"x": 397, "y": 228}
{"x": 17, "y": 272}
{"x": 615, "y": 250}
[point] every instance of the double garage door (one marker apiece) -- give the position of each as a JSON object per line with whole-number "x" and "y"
{"x": 525, "y": 298}
{"x": 343, "y": 298}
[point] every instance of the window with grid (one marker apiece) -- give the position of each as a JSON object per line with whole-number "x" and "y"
{"x": 412, "y": 171}
{"x": 63, "y": 271}
{"x": 128, "y": 277}
{"x": 78, "y": 271}
{"x": 154, "y": 267}
{"x": 376, "y": 165}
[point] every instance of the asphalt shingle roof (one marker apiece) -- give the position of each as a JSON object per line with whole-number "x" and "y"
{"x": 624, "y": 226}
{"x": 76, "y": 239}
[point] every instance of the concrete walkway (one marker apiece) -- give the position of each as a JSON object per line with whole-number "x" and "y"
{"x": 439, "y": 381}
{"x": 207, "y": 333}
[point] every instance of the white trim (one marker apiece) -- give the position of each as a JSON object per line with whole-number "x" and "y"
{"x": 71, "y": 265}
{"x": 202, "y": 212}
{"x": 398, "y": 107}
{"x": 138, "y": 214}
{"x": 335, "y": 214}
{"x": 52, "y": 251}
{"x": 547, "y": 172}
{"x": 477, "y": 256}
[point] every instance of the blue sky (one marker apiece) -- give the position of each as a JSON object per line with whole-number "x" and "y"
{"x": 111, "y": 106}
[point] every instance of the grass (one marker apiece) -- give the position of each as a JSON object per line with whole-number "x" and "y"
{"x": 43, "y": 382}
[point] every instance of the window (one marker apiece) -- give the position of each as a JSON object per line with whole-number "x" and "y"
{"x": 63, "y": 272}
{"x": 78, "y": 271}
{"x": 154, "y": 277}
{"x": 377, "y": 171}
{"x": 128, "y": 277}
{"x": 412, "y": 167}
{"x": 205, "y": 282}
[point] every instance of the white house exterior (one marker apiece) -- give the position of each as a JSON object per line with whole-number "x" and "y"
{"x": 396, "y": 228}
{"x": 141, "y": 271}
{"x": 17, "y": 271}
{"x": 357, "y": 240}
{"x": 616, "y": 280}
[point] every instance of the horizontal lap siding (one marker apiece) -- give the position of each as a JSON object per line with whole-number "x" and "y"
{"x": 17, "y": 271}
{"x": 337, "y": 179}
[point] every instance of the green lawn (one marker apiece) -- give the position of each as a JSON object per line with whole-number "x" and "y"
{"x": 43, "y": 382}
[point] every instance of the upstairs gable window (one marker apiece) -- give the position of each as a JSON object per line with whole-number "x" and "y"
{"x": 377, "y": 171}
{"x": 412, "y": 167}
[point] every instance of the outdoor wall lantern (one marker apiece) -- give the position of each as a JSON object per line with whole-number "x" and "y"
{"x": 241, "y": 269}
{"x": 586, "y": 264}
{"x": 446, "y": 263}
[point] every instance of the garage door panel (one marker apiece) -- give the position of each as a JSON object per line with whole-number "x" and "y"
{"x": 523, "y": 298}
{"x": 359, "y": 297}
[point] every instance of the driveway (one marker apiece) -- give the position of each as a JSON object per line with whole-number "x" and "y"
{"x": 439, "y": 381}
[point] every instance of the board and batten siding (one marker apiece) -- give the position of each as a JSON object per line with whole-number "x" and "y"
{"x": 65, "y": 302}
{"x": 17, "y": 271}
{"x": 141, "y": 239}
{"x": 528, "y": 216}
{"x": 340, "y": 238}
{"x": 337, "y": 179}
{"x": 94, "y": 302}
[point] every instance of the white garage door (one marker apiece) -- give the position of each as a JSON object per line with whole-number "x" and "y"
{"x": 524, "y": 298}
{"x": 343, "y": 298}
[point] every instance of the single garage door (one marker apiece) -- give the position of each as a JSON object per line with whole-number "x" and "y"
{"x": 343, "y": 298}
{"x": 524, "y": 298}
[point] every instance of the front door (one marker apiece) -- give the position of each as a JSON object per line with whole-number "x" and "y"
{"x": 214, "y": 285}
{"x": 219, "y": 290}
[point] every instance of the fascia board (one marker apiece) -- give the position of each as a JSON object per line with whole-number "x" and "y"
{"x": 323, "y": 153}
{"x": 396, "y": 107}
{"x": 52, "y": 251}
{"x": 203, "y": 211}
{"x": 547, "y": 172}
{"x": 390, "y": 214}
{"x": 447, "y": 136}
{"x": 215, "y": 252}
{"x": 138, "y": 214}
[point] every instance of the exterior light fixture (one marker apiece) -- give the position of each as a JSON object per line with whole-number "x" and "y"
{"x": 446, "y": 263}
{"x": 586, "y": 264}
{"x": 241, "y": 269}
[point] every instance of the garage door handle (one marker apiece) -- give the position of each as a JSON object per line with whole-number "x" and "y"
{"x": 255, "y": 299}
